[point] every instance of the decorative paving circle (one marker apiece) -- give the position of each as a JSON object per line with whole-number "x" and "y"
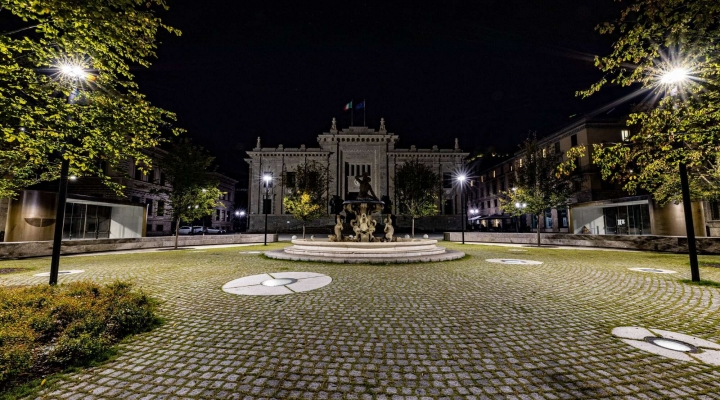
{"x": 513, "y": 261}
{"x": 677, "y": 346}
{"x": 277, "y": 283}
{"x": 654, "y": 270}
{"x": 61, "y": 273}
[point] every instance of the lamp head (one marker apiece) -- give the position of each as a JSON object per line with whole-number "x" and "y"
{"x": 675, "y": 76}
{"x": 461, "y": 178}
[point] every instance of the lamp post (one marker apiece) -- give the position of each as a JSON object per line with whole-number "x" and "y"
{"x": 74, "y": 74}
{"x": 461, "y": 180}
{"x": 519, "y": 206}
{"x": 266, "y": 203}
{"x": 676, "y": 77}
{"x": 240, "y": 214}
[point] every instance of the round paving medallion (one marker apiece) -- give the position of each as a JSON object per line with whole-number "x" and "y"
{"x": 513, "y": 261}
{"x": 654, "y": 270}
{"x": 60, "y": 273}
{"x": 277, "y": 283}
{"x": 677, "y": 346}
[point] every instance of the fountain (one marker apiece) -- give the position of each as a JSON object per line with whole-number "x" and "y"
{"x": 363, "y": 246}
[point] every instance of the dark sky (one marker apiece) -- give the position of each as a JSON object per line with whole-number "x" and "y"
{"x": 483, "y": 71}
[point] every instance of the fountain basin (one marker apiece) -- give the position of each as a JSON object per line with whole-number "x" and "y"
{"x": 405, "y": 251}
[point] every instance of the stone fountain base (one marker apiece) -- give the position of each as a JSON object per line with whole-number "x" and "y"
{"x": 405, "y": 251}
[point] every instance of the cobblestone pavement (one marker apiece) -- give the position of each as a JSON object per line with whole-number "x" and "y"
{"x": 465, "y": 329}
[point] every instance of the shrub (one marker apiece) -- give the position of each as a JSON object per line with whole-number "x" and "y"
{"x": 44, "y": 329}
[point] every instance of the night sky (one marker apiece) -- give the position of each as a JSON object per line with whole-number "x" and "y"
{"x": 483, "y": 71}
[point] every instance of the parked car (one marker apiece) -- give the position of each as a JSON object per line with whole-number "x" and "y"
{"x": 214, "y": 230}
{"x": 185, "y": 230}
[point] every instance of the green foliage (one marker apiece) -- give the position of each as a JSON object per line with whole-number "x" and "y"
{"x": 194, "y": 193}
{"x": 302, "y": 207}
{"x": 307, "y": 198}
{"x": 418, "y": 189}
{"x": 44, "y": 329}
{"x": 109, "y": 121}
{"x": 542, "y": 179}
{"x": 681, "y": 123}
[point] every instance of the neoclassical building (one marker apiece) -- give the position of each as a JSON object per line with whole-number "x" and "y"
{"x": 347, "y": 153}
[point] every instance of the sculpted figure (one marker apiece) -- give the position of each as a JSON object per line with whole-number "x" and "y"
{"x": 365, "y": 191}
{"x": 334, "y": 125}
{"x": 338, "y": 229}
{"x": 389, "y": 230}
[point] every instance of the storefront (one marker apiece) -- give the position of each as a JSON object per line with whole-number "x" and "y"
{"x": 630, "y": 217}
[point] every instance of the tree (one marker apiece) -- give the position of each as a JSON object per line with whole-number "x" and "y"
{"x": 109, "y": 119}
{"x": 308, "y": 196}
{"x": 680, "y": 123}
{"x": 418, "y": 190}
{"x": 542, "y": 181}
{"x": 194, "y": 193}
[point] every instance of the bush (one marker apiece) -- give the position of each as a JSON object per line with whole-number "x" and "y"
{"x": 44, "y": 329}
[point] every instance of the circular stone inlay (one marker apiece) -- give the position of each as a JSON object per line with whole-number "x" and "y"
{"x": 671, "y": 344}
{"x": 68, "y": 272}
{"x": 513, "y": 261}
{"x": 677, "y": 346}
{"x": 278, "y": 282}
{"x": 654, "y": 270}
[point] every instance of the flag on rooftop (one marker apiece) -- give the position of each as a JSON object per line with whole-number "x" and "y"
{"x": 361, "y": 105}
{"x": 348, "y": 106}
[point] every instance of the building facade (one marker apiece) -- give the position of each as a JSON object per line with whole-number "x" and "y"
{"x": 347, "y": 153}
{"x": 597, "y": 207}
{"x": 94, "y": 211}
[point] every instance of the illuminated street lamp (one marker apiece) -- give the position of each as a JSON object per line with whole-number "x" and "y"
{"x": 74, "y": 74}
{"x": 267, "y": 178}
{"x": 674, "y": 78}
{"x": 461, "y": 180}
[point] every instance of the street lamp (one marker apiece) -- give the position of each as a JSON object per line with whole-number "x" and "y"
{"x": 676, "y": 77}
{"x": 75, "y": 75}
{"x": 267, "y": 178}
{"x": 461, "y": 180}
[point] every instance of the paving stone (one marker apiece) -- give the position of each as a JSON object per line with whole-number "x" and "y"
{"x": 462, "y": 329}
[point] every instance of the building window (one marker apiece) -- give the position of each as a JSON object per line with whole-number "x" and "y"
{"x": 502, "y": 185}
{"x": 557, "y": 148}
{"x": 520, "y": 163}
{"x": 544, "y": 152}
{"x": 573, "y": 140}
{"x": 217, "y": 215}
{"x": 138, "y": 173}
{"x": 148, "y": 228}
{"x": 222, "y": 212}
{"x": 159, "y": 228}
{"x": 290, "y": 179}
{"x": 447, "y": 180}
{"x": 135, "y": 199}
{"x": 548, "y": 218}
{"x": 493, "y": 174}
{"x": 562, "y": 217}
{"x": 488, "y": 203}
{"x": 148, "y": 205}
{"x": 625, "y": 135}
{"x": 160, "y": 208}
{"x": 482, "y": 205}
{"x": 715, "y": 210}
{"x": 495, "y": 202}
{"x": 162, "y": 179}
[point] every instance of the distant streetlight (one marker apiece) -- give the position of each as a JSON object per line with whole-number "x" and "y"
{"x": 675, "y": 78}
{"x": 75, "y": 75}
{"x": 266, "y": 202}
{"x": 461, "y": 180}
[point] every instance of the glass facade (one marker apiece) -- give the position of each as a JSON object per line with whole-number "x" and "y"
{"x": 86, "y": 221}
{"x": 631, "y": 218}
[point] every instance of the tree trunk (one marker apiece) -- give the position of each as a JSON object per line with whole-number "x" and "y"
{"x": 177, "y": 232}
{"x": 303, "y": 231}
{"x": 413, "y": 228}
{"x": 538, "y": 230}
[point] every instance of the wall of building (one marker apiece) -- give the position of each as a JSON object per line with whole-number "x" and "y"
{"x": 670, "y": 219}
{"x": 127, "y": 222}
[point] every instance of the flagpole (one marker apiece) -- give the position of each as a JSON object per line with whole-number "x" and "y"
{"x": 364, "y": 107}
{"x": 352, "y": 112}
